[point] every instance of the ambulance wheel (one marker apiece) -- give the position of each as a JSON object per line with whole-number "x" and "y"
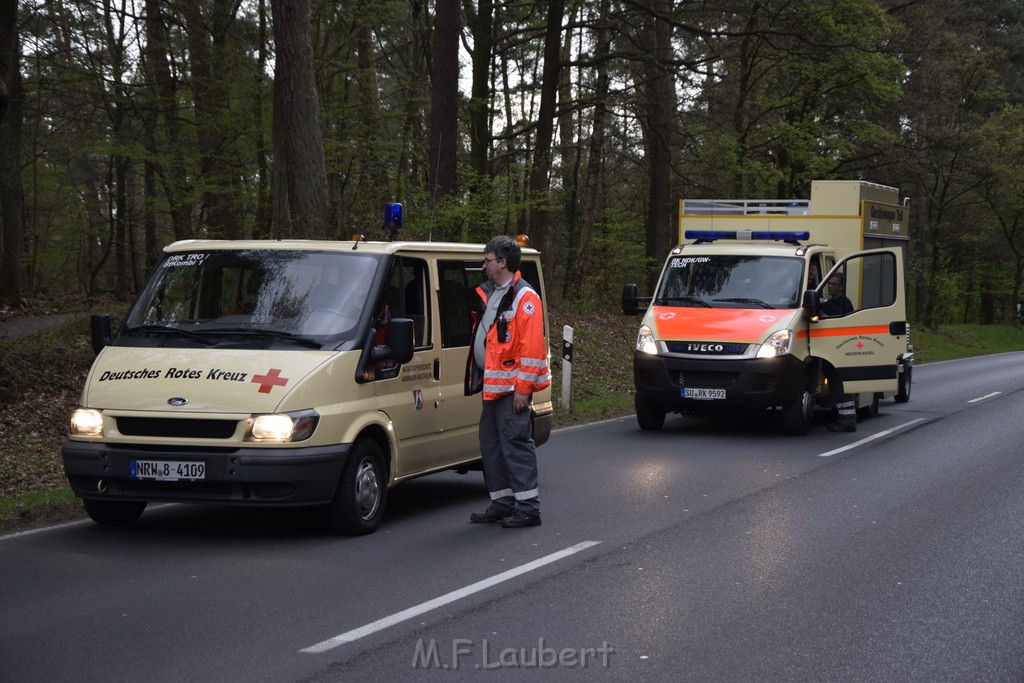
{"x": 903, "y": 385}
{"x": 358, "y": 504}
{"x": 796, "y": 417}
{"x": 650, "y": 416}
{"x": 113, "y": 512}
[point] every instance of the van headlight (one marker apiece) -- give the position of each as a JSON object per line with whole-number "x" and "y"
{"x": 281, "y": 427}
{"x": 85, "y": 422}
{"x": 779, "y": 344}
{"x": 645, "y": 341}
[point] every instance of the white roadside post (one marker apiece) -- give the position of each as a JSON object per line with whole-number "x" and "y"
{"x": 566, "y": 365}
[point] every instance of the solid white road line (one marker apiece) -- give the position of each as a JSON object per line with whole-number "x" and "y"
{"x": 982, "y": 398}
{"x": 398, "y": 617}
{"x": 879, "y": 435}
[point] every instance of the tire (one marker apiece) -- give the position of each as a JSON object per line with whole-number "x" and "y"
{"x": 869, "y": 410}
{"x": 650, "y": 416}
{"x": 113, "y": 512}
{"x": 903, "y": 387}
{"x": 358, "y": 504}
{"x": 796, "y": 417}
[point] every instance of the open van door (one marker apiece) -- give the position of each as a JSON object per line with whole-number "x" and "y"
{"x": 858, "y": 321}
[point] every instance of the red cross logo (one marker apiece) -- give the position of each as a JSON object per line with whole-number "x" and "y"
{"x": 270, "y": 380}
{"x": 860, "y": 345}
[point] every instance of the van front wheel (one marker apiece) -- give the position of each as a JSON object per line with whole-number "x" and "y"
{"x": 796, "y": 417}
{"x": 113, "y": 512}
{"x": 358, "y": 504}
{"x": 649, "y": 415}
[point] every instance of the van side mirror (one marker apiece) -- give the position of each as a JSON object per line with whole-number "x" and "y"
{"x": 631, "y": 302}
{"x": 812, "y": 305}
{"x": 401, "y": 342}
{"x": 99, "y": 324}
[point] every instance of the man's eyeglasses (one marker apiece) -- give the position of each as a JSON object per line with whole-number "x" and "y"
{"x": 488, "y": 260}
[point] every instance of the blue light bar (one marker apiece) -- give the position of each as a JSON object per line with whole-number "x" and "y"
{"x": 777, "y": 235}
{"x": 393, "y": 214}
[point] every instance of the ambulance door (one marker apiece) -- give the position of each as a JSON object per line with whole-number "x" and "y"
{"x": 457, "y": 280}
{"x": 862, "y": 325}
{"x": 411, "y": 394}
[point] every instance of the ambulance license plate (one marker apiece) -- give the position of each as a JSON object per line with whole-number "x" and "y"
{"x": 703, "y": 394}
{"x": 167, "y": 470}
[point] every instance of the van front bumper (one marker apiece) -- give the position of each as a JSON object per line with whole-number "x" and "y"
{"x": 233, "y": 476}
{"x": 750, "y": 385}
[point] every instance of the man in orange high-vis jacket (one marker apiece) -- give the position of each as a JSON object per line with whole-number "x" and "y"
{"x": 508, "y": 363}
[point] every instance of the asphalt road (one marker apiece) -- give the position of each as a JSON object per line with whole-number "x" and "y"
{"x": 706, "y": 551}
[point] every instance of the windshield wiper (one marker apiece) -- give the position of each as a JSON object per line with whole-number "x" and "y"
{"x": 683, "y": 300}
{"x": 273, "y": 334}
{"x": 172, "y": 330}
{"x": 756, "y": 302}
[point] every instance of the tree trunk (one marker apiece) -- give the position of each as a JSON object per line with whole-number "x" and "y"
{"x": 300, "y": 170}
{"x": 540, "y": 178}
{"x": 482, "y": 26}
{"x": 12, "y": 219}
{"x": 660, "y": 104}
{"x": 595, "y": 156}
{"x": 444, "y": 97}
{"x": 170, "y": 166}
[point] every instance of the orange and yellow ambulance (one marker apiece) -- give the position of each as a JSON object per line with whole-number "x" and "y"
{"x": 762, "y": 300}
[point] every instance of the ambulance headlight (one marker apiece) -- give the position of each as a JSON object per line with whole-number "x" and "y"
{"x": 645, "y": 341}
{"x": 282, "y": 427}
{"x": 779, "y": 344}
{"x": 85, "y": 422}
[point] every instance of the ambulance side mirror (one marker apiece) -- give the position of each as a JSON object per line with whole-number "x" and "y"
{"x": 812, "y": 305}
{"x": 401, "y": 342}
{"x": 631, "y": 302}
{"x": 99, "y": 324}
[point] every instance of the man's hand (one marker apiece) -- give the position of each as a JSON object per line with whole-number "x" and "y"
{"x": 520, "y": 402}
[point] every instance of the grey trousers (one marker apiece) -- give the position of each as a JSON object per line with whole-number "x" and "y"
{"x": 509, "y": 456}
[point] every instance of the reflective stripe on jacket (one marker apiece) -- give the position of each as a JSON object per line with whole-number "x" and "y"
{"x": 519, "y": 364}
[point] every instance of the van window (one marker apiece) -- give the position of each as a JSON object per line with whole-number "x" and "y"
{"x": 256, "y": 298}
{"x": 457, "y": 298}
{"x": 405, "y": 296}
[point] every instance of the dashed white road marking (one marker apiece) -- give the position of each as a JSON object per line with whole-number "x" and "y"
{"x": 406, "y": 614}
{"x": 863, "y": 441}
{"x": 982, "y": 398}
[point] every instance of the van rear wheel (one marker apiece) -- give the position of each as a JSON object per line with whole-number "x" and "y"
{"x": 649, "y": 415}
{"x": 113, "y": 512}
{"x": 903, "y": 385}
{"x": 358, "y": 504}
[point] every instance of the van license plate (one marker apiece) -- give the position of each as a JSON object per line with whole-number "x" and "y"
{"x": 167, "y": 470}
{"x": 703, "y": 394}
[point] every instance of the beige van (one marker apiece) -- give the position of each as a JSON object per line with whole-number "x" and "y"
{"x": 285, "y": 373}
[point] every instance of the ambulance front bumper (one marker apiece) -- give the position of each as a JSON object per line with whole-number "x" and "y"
{"x": 688, "y": 385}
{"x": 233, "y": 476}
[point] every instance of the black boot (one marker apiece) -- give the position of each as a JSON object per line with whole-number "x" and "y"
{"x": 847, "y": 416}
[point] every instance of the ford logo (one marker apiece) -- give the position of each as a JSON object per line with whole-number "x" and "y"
{"x": 177, "y": 401}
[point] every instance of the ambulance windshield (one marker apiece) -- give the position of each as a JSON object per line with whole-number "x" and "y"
{"x": 264, "y": 297}
{"x": 725, "y": 281}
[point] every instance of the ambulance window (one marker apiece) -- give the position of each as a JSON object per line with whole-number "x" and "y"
{"x": 406, "y": 297}
{"x": 458, "y": 281}
{"x": 877, "y": 280}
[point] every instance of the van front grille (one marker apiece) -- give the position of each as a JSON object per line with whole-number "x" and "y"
{"x": 175, "y": 428}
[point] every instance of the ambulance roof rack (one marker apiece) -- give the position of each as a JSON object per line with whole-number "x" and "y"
{"x": 747, "y": 207}
{"x": 787, "y": 236}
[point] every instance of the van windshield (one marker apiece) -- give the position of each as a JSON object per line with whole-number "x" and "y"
{"x": 263, "y": 297}
{"x": 720, "y": 281}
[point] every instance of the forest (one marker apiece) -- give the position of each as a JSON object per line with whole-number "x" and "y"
{"x": 128, "y": 124}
